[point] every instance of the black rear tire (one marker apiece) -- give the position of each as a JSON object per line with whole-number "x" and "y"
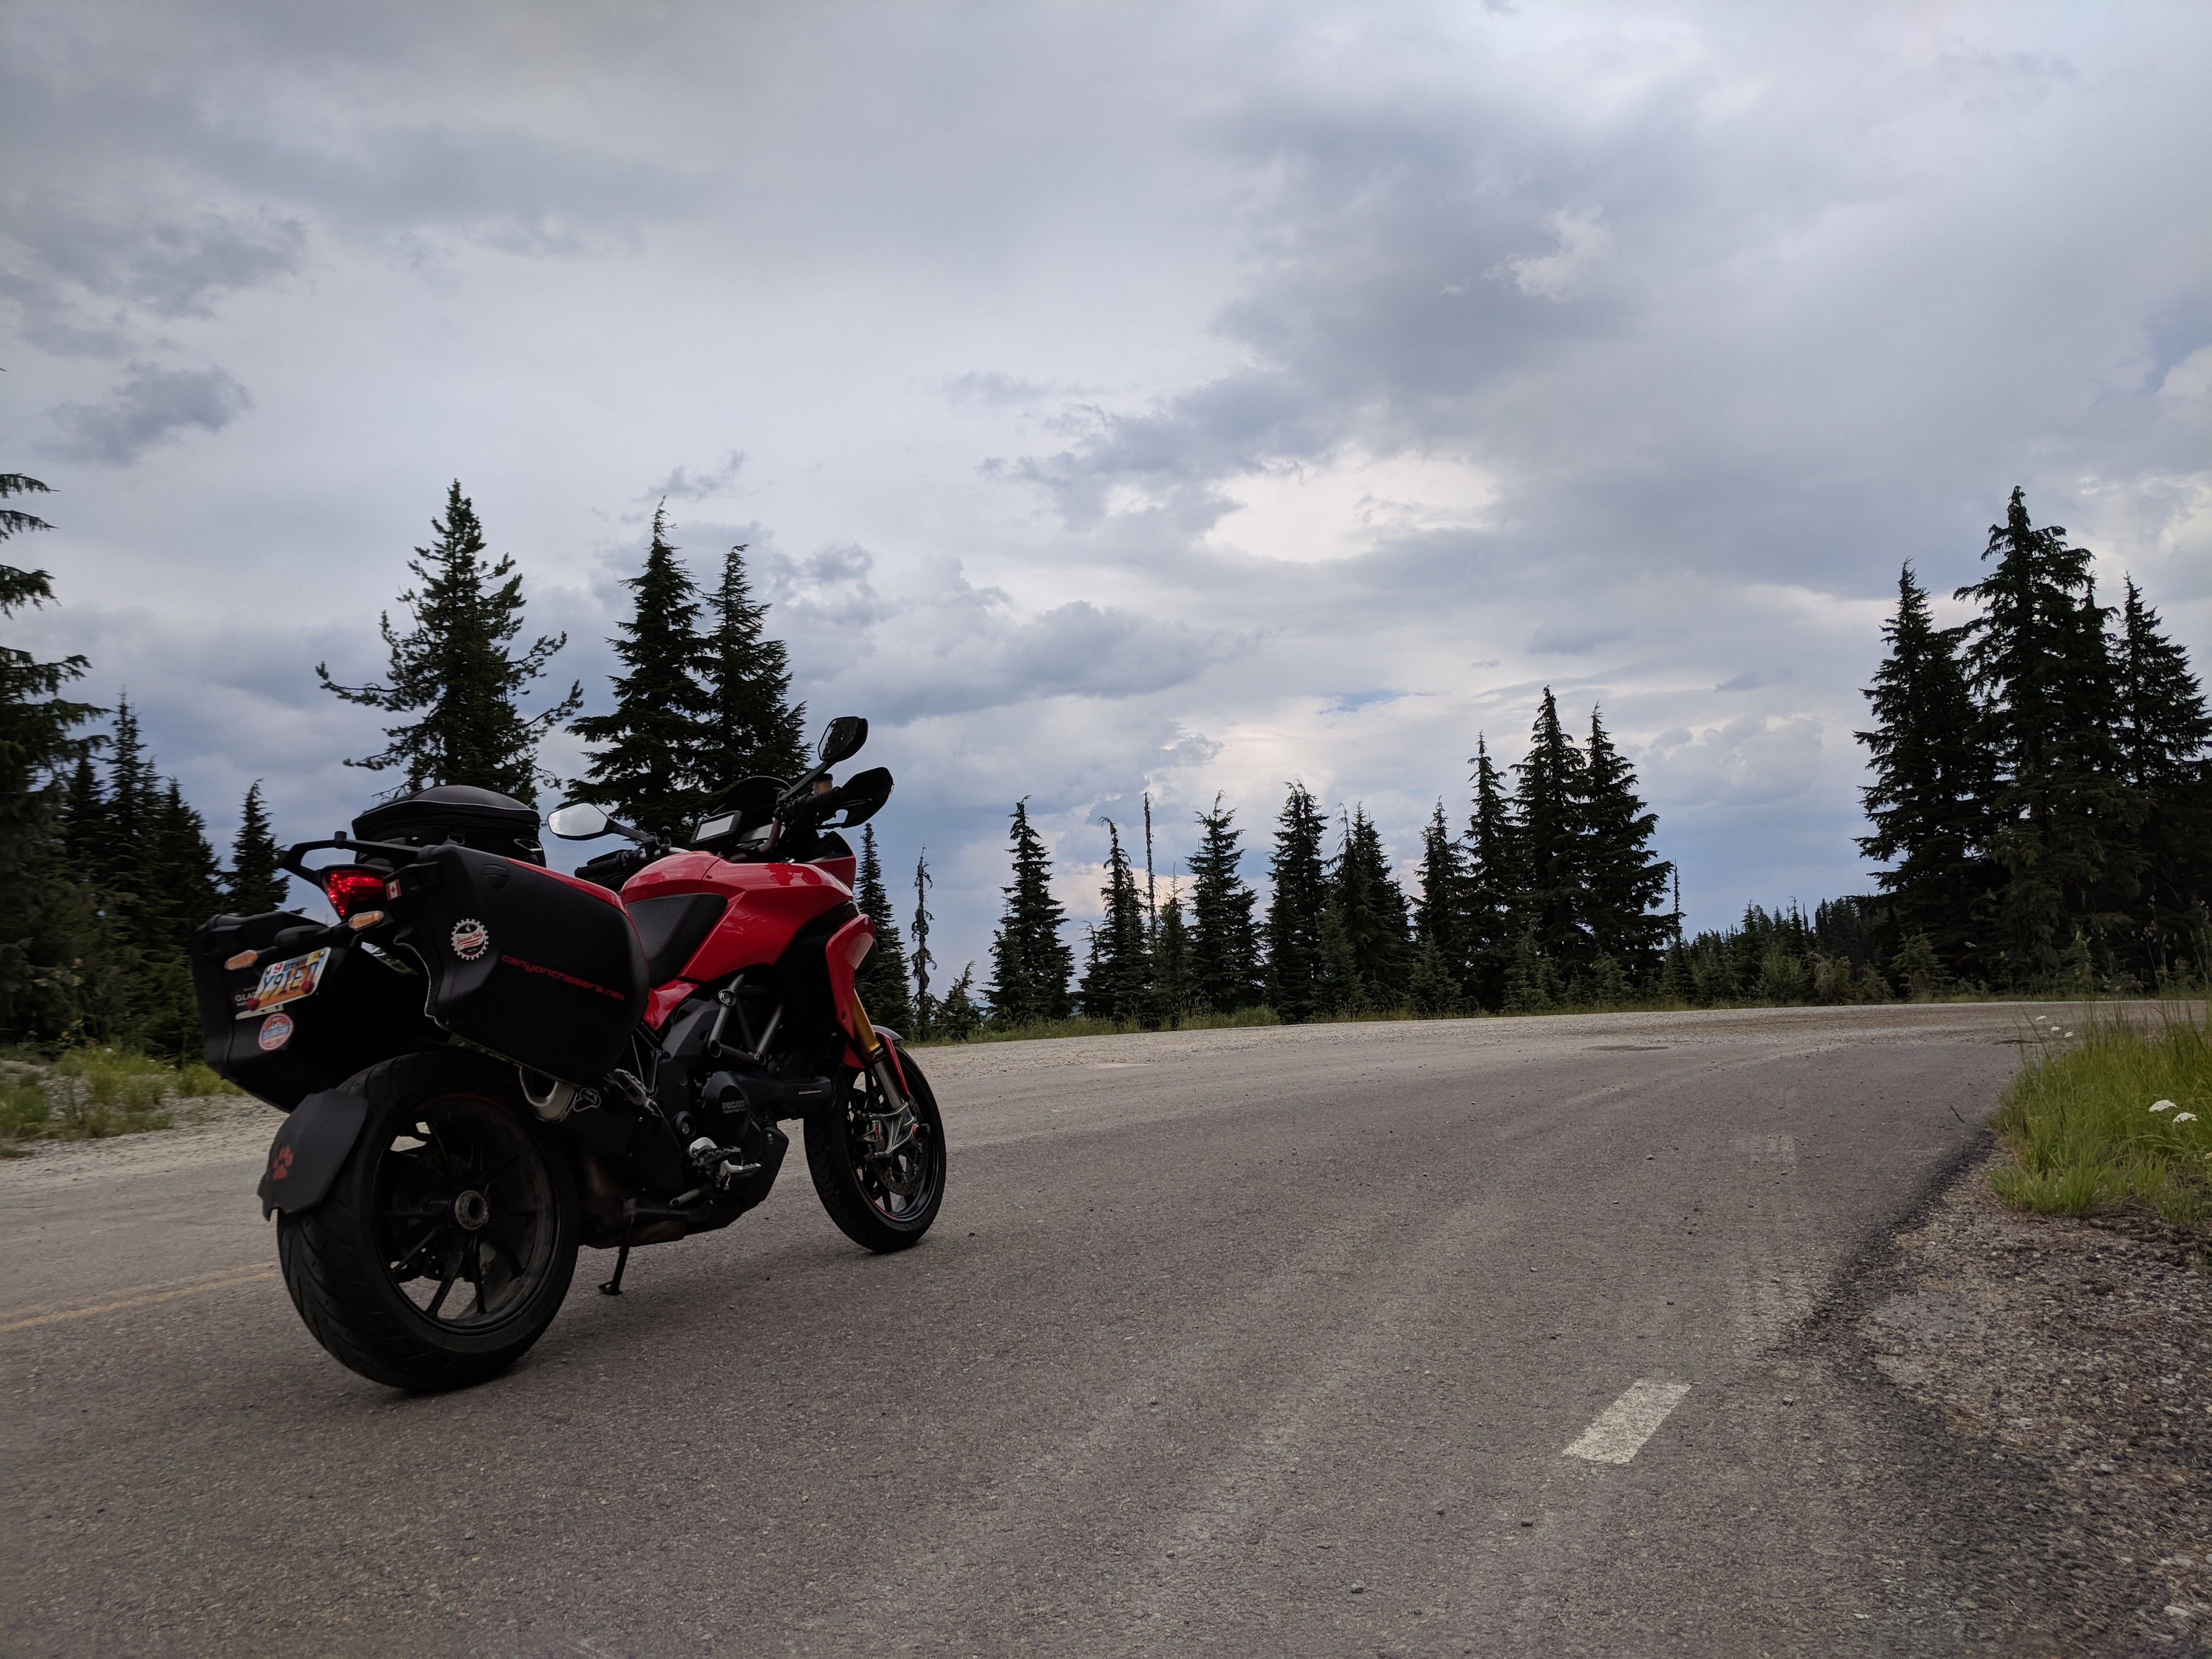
{"x": 448, "y": 1239}
{"x": 883, "y": 1205}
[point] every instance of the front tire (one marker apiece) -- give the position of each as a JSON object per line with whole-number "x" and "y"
{"x": 449, "y": 1236}
{"x": 882, "y": 1204}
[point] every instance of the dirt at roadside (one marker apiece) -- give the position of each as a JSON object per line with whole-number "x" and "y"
{"x": 2078, "y": 1353}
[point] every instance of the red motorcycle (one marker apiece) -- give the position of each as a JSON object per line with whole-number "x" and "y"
{"x": 486, "y": 1064}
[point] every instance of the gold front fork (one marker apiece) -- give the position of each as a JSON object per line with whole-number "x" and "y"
{"x": 894, "y": 1128}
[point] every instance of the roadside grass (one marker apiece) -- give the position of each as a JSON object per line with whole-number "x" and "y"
{"x": 91, "y": 1094}
{"x": 2079, "y": 1119}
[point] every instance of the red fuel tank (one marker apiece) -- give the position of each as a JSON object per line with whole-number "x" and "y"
{"x": 767, "y": 903}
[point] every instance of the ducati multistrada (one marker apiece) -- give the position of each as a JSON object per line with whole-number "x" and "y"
{"x": 485, "y": 1064}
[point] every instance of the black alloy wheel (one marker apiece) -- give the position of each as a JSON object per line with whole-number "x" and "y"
{"x": 449, "y": 1238}
{"x": 884, "y": 1201}
{"x": 464, "y": 1204}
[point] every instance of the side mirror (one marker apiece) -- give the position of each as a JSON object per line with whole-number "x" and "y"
{"x": 579, "y": 822}
{"x": 843, "y": 738}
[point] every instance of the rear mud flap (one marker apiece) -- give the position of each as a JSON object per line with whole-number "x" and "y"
{"x": 310, "y": 1145}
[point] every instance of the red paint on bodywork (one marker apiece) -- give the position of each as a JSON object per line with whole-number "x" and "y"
{"x": 848, "y": 948}
{"x": 665, "y": 1001}
{"x": 768, "y": 903}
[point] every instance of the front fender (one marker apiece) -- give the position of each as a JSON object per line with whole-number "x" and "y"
{"x": 311, "y": 1144}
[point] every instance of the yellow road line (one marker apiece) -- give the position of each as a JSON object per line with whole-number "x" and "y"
{"x": 137, "y": 1301}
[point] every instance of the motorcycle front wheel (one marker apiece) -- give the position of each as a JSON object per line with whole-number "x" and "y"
{"x": 882, "y": 1203}
{"x": 449, "y": 1236}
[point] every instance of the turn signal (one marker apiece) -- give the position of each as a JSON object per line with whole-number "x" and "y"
{"x": 243, "y": 959}
{"x": 361, "y": 918}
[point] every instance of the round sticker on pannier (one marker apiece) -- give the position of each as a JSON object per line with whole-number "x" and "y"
{"x": 471, "y": 939}
{"x": 276, "y": 1032}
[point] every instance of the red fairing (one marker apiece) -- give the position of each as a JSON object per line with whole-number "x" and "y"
{"x": 768, "y": 905}
{"x": 848, "y": 948}
{"x": 659, "y": 1003}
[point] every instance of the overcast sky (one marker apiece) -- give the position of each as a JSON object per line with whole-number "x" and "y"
{"x": 1183, "y": 396}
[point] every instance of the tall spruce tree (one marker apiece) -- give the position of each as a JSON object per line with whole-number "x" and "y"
{"x": 1171, "y": 976}
{"x": 1493, "y": 886}
{"x": 881, "y": 979}
{"x": 43, "y": 910}
{"x": 1930, "y": 798}
{"x": 1118, "y": 978}
{"x": 647, "y": 768}
{"x": 1297, "y": 971}
{"x": 1623, "y": 879}
{"x": 753, "y": 729}
{"x": 1371, "y": 908}
{"x": 2037, "y": 658}
{"x": 256, "y": 884}
{"x": 925, "y": 1006}
{"x": 1225, "y": 946}
{"x": 1548, "y": 818}
{"x": 1440, "y": 926}
{"x": 2162, "y": 732}
{"x": 1030, "y": 963}
{"x": 454, "y": 669}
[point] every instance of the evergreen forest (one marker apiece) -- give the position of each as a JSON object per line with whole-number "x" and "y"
{"x": 2041, "y": 792}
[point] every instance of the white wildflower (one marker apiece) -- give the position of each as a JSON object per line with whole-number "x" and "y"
{"x": 2161, "y": 1105}
{"x": 2184, "y": 1117}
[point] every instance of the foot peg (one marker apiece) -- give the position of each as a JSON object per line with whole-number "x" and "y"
{"x": 723, "y": 1164}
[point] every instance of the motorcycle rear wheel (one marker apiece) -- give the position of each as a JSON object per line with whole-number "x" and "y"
{"x": 882, "y": 1205}
{"x": 449, "y": 1238}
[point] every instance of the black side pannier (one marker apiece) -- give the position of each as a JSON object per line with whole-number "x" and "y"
{"x": 308, "y": 1020}
{"x": 541, "y": 969}
{"x": 456, "y": 811}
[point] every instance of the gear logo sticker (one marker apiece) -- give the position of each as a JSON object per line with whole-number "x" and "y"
{"x": 276, "y": 1032}
{"x": 470, "y": 939}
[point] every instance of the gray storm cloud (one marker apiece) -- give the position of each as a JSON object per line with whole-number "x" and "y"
{"x": 1116, "y": 398}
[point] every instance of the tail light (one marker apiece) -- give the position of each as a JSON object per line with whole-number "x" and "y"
{"x": 351, "y": 888}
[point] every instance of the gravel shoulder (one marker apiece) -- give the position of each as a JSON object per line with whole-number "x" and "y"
{"x": 2067, "y": 1359}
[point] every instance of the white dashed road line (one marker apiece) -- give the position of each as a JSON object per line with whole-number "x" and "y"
{"x": 1622, "y": 1428}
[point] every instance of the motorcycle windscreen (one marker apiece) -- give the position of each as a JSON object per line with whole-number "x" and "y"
{"x": 536, "y": 966}
{"x": 302, "y": 1020}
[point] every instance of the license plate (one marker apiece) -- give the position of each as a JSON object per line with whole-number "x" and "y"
{"x": 285, "y": 982}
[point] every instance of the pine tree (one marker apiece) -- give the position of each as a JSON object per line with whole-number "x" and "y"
{"x": 1294, "y": 913}
{"x": 1440, "y": 928}
{"x": 132, "y": 799}
{"x": 1932, "y": 782}
{"x": 256, "y": 884}
{"x": 1171, "y": 961}
{"x": 2037, "y": 657}
{"x": 1493, "y": 886}
{"x": 646, "y": 771}
{"x": 925, "y": 1008}
{"x": 881, "y": 978}
{"x": 2162, "y": 732}
{"x": 1224, "y": 947}
{"x": 752, "y": 729}
{"x": 960, "y": 1017}
{"x": 1548, "y": 816}
{"x": 183, "y": 888}
{"x": 1622, "y": 880}
{"x": 1030, "y": 963}
{"x": 43, "y": 911}
{"x": 1371, "y": 908}
{"x": 1117, "y": 980}
{"x": 453, "y": 669}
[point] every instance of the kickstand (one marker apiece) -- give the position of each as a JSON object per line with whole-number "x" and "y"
{"x": 613, "y": 1286}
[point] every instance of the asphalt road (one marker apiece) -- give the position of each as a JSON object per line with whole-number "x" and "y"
{"x": 1240, "y": 1342}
